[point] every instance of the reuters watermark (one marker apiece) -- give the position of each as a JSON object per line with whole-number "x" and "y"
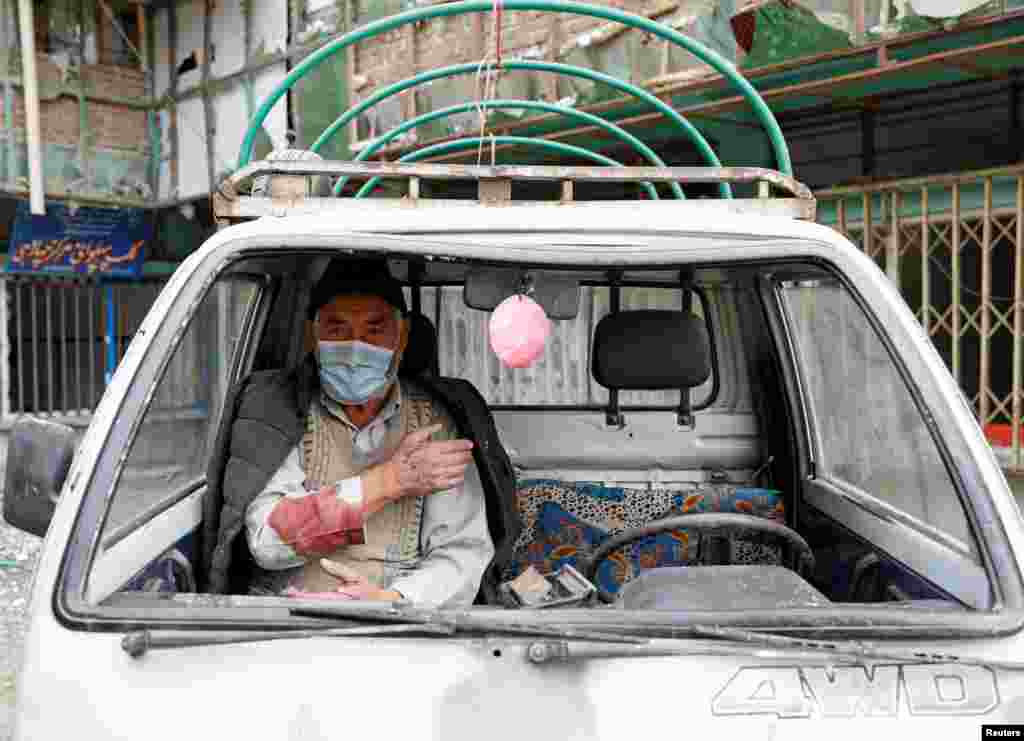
{"x": 1015, "y": 730}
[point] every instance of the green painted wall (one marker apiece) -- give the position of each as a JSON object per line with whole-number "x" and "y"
{"x": 322, "y": 96}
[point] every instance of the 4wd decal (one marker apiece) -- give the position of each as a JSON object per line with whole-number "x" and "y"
{"x": 847, "y": 691}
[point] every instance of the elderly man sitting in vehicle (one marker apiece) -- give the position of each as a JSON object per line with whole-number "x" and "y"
{"x": 379, "y": 500}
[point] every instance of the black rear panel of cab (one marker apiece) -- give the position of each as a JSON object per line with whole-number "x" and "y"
{"x": 770, "y": 402}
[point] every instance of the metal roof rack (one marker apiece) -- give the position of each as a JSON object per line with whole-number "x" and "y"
{"x": 291, "y": 191}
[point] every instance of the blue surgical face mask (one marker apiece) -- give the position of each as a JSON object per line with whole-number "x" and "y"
{"x": 354, "y": 372}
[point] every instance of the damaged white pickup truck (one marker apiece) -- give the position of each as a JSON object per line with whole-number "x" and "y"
{"x": 738, "y": 485}
{"x": 725, "y": 485}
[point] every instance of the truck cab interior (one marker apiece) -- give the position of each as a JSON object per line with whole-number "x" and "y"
{"x": 694, "y": 437}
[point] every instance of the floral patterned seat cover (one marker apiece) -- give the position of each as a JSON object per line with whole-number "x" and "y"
{"x": 564, "y": 520}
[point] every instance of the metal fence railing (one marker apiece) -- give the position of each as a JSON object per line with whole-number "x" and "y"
{"x": 65, "y": 336}
{"x": 954, "y": 245}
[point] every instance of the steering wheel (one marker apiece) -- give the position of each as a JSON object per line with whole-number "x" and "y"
{"x": 801, "y": 557}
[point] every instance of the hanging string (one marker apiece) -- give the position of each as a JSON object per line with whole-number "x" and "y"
{"x": 480, "y": 94}
{"x": 498, "y": 11}
{"x": 486, "y": 84}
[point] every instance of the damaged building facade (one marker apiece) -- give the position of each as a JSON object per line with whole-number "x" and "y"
{"x": 904, "y": 116}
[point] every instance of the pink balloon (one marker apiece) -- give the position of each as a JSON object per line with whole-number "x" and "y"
{"x": 519, "y": 328}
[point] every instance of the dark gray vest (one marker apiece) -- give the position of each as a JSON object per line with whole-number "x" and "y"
{"x": 265, "y": 419}
{"x": 268, "y": 411}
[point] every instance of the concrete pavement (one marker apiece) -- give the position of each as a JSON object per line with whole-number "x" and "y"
{"x": 18, "y": 553}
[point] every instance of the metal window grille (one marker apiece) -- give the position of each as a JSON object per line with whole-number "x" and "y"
{"x": 954, "y": 246}
{"x": 65, "y": 336}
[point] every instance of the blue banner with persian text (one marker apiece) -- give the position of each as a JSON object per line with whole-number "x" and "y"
{"x": 90, "y": 240}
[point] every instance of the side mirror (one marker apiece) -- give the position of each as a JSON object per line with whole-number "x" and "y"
{"x": 39, "y": 454}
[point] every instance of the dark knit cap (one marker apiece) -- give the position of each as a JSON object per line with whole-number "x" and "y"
{"x": 365, "y": 277}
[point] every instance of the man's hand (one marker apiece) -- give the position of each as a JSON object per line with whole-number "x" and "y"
{"x": 353, "y": 585}
{"x": 417, "y": 468}
{"x": 422, "y": 467}
{"x": 317, "y": 524}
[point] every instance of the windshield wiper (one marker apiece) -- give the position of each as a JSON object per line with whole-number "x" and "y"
{"x": 383, "y": 619}
{"x": 754, "y": 644}
{"x": 388, "y": 618}
{"x": 464, "y": 621}
{"x": 138, "y": 642}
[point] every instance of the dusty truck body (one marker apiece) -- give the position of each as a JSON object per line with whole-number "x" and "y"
{"x": 934, "y": 641}
{"x": 768, "y": 508}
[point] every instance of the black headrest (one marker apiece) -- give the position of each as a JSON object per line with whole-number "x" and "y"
{"x": 652, "y": 350}
{"x": 421, "y": 352}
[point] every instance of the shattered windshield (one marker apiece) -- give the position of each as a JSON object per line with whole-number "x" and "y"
{"x": 533, "y": 439}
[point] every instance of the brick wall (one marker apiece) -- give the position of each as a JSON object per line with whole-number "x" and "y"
{"x": 112, "y": 126}
{"x": 108, "y": 79}
{"x": 445, "y": 41}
